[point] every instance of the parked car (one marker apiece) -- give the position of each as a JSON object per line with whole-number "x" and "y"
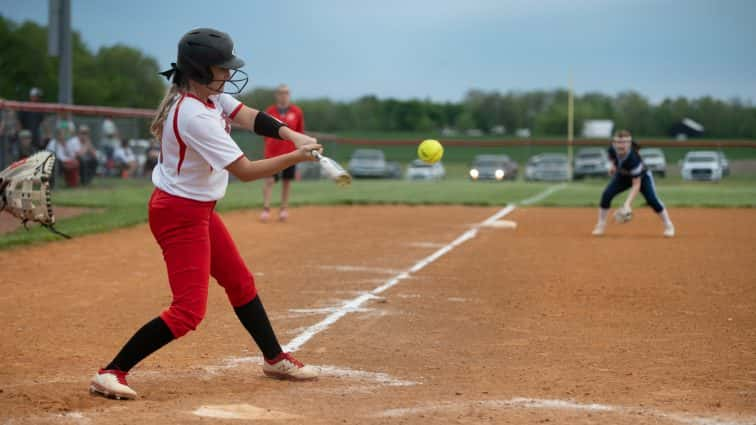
{"x": 367, "y": 163}
{"x": 308, "y": 170}
{"x": 702, "y": 165}
{"x": 591, "y": 162}
{"x": 548, "y": 167}
{"x": 725, "y": 163}
{"x": 419, "y": 170}
{"x": 493, "y": 167}
{"x": 655, "y": 160}
{"x": 393, "y": 170}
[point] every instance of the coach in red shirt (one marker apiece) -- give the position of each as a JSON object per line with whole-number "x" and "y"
{"x": 292, "y": 116}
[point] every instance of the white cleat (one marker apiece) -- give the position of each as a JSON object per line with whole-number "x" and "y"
{"x": 669, "y": 231}
{"x": 111, "y": 383}
{"x": 285, "y": 366}
{"x": 598, "y": 230}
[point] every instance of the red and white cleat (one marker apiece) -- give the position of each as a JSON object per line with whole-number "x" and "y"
{"x": 111, "y": 383}
{"x": 285, "y": 366}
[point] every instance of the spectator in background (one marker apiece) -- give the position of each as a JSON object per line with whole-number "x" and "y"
{"x": 8, "y": 137}
{"x": 293, "y": 117}
{"x": 25, "y": 144}
{"x": 110, "y": 140}
{"x": 8, "y": 122}
{"x": 85, "y": 153}
{"x": 152, "y": 156}
{"x": 125, "y": 159}
{"x": 32, "y": 120}
{"x": 67, "y": 124}
{"x": 65, "y": 157}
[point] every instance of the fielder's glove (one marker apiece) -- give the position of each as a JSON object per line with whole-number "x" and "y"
{"x": 25, "y": 190}
{"x": 623, "y": 215}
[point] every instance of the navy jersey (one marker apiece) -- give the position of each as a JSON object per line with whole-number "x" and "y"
{"x": 631, "y": 165}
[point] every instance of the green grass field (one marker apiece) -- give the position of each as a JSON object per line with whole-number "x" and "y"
{"x": 122, "y": 203}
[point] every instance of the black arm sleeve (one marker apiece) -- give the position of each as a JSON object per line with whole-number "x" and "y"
{"x": 267, "y": 126}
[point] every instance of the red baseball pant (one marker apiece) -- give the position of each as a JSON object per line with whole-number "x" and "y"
{"x": 196, "y": 245}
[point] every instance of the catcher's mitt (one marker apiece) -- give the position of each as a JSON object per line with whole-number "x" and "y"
{"x": 25, "y": 190}
{"x": 623, "y": 215}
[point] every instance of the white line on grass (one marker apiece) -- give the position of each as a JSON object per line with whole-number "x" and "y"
{"x": 543, "y": 195}
{"x": 355, "y": 303}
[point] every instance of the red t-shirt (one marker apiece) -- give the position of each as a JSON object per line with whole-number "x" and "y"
{"x": 294, "y": 118}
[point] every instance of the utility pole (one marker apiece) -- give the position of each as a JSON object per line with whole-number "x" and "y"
{"x": 570, "y": 126}
{"x": 59, "y": 44}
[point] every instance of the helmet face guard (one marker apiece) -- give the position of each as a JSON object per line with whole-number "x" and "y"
{"x": 234, "y": 84}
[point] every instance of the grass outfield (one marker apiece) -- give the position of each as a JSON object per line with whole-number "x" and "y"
{"x": 125, "y": 202}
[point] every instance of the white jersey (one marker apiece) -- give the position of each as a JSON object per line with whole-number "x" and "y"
{"x": 197, "y": 147}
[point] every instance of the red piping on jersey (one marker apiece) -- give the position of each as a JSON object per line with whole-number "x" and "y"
{"x": 208, "y": 104}
{"x": 182, "y": 145}
{"x": 236, "y": 110}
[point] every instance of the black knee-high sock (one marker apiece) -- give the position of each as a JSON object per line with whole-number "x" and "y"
{"x": 255, "y": 320}
{"x": 145, "y": 341}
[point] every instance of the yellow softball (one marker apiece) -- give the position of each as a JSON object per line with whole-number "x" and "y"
{"x": 430, "y": 151}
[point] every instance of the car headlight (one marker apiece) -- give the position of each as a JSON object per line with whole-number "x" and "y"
{"x": 474, "y": 173}
{"x": 499, "y": 174}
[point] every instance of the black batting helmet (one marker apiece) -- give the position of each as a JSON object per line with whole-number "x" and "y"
{"x": 202, "y": 48}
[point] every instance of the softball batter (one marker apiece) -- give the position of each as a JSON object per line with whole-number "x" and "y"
{"x": 197, "y": 153}
{"x": 629, "y": 172}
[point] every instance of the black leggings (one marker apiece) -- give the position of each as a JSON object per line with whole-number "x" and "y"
{"x": 619, "y": 184}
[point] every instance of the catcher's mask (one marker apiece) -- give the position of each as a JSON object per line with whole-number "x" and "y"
{"x": 202, "y": 48}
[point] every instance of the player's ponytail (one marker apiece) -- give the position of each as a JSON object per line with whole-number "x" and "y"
{"x": 178, "y": 82}
{"x": 156, "y": 128}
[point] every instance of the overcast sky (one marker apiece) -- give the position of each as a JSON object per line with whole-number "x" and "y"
{"x": 439, "y": 49}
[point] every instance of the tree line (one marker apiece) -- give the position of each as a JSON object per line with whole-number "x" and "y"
{"x": 124, "y": 76}
{"x": 112, "y": 76}
{"x": 543, "y": 112}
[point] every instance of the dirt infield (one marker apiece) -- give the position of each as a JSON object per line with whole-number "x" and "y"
{"x": 538, "y": 324}
{"x": 9, "y": 223}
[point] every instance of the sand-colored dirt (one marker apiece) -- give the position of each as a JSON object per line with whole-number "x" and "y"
{"x": 541, "y": 323}
{"x": 9, "y": 223}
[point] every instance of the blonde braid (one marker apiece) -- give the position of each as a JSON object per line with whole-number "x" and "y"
{"x": 156, "y": 128}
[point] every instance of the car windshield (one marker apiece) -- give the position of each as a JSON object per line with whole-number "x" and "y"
{"x": 553, "y": 161}
{"x": 698, "y": 158}
{"x": 420, "y": 164}
{"x": 370, "y": 155}
{"x": 489, "y": 163}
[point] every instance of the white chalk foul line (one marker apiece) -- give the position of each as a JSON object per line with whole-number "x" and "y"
{"x": 355, "y": 303}
{"x": 548, "y": 404}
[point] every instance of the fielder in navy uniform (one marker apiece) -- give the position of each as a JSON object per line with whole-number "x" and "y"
{"x": 629, "y": 172}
